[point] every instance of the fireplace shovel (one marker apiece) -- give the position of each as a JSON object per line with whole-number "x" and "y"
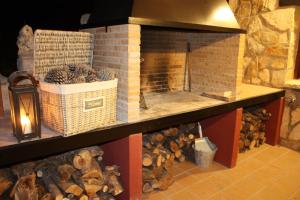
{"x": 205, "y": 150}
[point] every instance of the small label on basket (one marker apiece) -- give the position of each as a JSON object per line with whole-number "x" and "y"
{"x": 92, "y": 104}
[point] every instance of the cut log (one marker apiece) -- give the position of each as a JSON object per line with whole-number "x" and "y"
{"x": 93, "y": 171}
{"x": 52, "y": 188}
{"x": 83, "y": 160}
{"x": 65, "y": 171}
{"x": 46, "y": 197}
{"x": 147, "y": 158}
{"x": 173, "y": 146}
{"x": 84, "y": 197}
{"x": 91, "y": 190}
{"x": 71, "y": 188}
{"x": 147, "y": 187}
{"x": 6, "y": 180}
{"x": 106, "y": 196}
{"x": 25, "y": 188}
{"x": 111, "y": 174}
{"x": 23, "y": 169}
{"x": 165, "y": 182}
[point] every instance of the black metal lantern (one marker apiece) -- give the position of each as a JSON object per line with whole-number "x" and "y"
{"x": 25, "y": 106}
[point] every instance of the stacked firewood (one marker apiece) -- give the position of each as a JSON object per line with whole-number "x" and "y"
{"x": 253, "y": 132}
{"x": 76, "y": 175}
{"x": 160, "y": 149}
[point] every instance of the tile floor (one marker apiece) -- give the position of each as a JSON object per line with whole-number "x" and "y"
{"x": 265, "y": 173}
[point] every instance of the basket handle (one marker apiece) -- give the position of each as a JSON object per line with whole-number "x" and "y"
{"x": 18, "y": 76}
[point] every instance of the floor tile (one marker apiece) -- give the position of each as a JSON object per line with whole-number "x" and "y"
{"x": 267, "y": 173}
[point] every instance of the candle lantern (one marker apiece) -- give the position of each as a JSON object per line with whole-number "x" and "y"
{"x": 24, "y": 103}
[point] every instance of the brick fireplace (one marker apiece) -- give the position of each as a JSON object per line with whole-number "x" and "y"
{"x": 155, "y": 60}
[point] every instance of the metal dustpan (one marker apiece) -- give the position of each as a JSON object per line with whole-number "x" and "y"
{"x": 203, "y": 143}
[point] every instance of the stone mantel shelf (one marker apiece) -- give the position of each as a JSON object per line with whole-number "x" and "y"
{"x": 52, "y": 143}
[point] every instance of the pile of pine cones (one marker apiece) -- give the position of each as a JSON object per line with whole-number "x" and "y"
{"x": 80, "y": 73}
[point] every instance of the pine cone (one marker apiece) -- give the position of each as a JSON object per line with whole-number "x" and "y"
{"x": 82, "y": 70}
{"x": 79, "y": 79}
{"x": 57, "y": 76}
{"x": 71, "y": 77}
{"x": 105, "y": 75}
{"x": 72, "y": 67}
{"x": 91, "y": 78}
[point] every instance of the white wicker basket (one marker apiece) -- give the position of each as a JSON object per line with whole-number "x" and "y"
{"x": 76, "y": 108}
{"x": 72, "y": 108}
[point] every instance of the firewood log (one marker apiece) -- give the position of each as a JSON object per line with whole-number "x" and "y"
{"x": 83, "y": 160}
{"x": 170, "y": 132}
{"x": 83, "y": 197}
{"x": 70, "y": 188}
{"x": 23, "y": 169}
{"x": 46, "y": 197}
{"x": 76, "y": 176}
{"x": 52, "y": 188}
{"x": 65, "y": 171}
{"x": 157, "y": 138}
{"x": 91, "y": 190}
{"x": 165, "y": 181}
{"x": 44, "y": 172}
{"x": 147, "y": 142}
{"x": 252, "y": 144}
{"x": 173, "y": 146}
{"x": 95, "y": 151}
{"x": 147, "y": 187}
{"x": 181, "y": 158}
{"x": 25, "y": 188}
{"x": 147, "y": 158}
{"x": 169, "y": 162}
{"x": 111, "y": 174}
{"x": 41, "y": 188}
{"x": 93, "y": 171}
{"x": 6, "y": 180}
{"x": 106, "y": 196}
{"x": 147, "y": 174}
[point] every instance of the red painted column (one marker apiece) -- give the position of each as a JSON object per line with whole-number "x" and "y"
{"x": 224, "y": 131}
{"x": 127, "y": 153}
{"x": 273, "y": 125}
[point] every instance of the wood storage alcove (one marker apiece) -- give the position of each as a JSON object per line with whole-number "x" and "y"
{"x": 90, "y": 173}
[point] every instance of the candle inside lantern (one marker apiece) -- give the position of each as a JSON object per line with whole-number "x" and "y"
{"x": 26, "y": 124}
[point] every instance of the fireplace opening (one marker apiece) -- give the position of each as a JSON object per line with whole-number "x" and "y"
{"x": 183, "y": 70}
{"x": 169, "y": 71}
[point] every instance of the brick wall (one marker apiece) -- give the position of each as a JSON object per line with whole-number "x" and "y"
{"x": 164, "y": 55}
{"x": 216, "y": 63}
{"x": 118, "y": 49}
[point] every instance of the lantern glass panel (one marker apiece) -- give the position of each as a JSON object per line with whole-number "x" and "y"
{"x": 27, "y": 117}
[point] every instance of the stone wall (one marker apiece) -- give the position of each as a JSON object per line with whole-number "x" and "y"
{"x": 271, "y": 40}
{"x": 117, "y": 48}
{"x": 290, "y": 129}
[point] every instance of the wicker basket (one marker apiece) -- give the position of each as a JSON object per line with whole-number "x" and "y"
{"x": 72, "y": 108}
{"x": 76, "y": 108}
